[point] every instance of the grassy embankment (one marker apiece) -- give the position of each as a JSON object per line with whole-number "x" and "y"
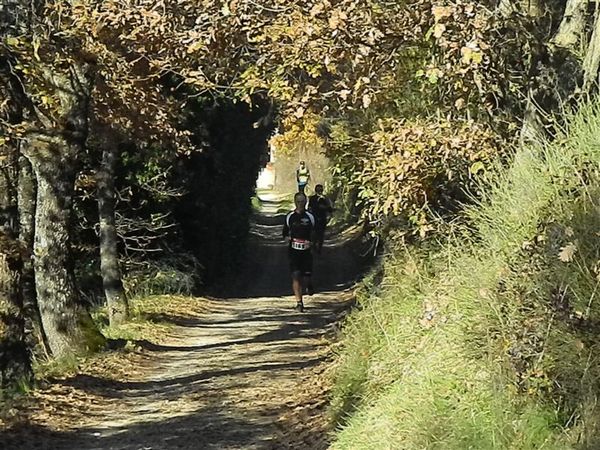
{"x": 490, "y": 338}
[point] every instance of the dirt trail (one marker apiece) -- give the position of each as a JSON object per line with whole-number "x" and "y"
{"x": 242, "y": 376}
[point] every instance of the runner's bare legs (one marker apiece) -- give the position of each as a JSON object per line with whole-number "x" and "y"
{"x": 297, "y": 286}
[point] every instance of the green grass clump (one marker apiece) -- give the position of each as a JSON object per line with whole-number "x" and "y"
{"x": 488, "y": 339}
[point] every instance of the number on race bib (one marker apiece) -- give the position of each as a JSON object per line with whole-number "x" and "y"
{"x": 298, "y": 244}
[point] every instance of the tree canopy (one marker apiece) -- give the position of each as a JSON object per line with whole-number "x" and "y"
{"x": 412, "y": 99}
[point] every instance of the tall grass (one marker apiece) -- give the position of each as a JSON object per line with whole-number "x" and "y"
{"x": 489, "y": 339}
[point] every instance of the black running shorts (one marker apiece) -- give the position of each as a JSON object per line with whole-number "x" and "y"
{"x": 301, "y": 261}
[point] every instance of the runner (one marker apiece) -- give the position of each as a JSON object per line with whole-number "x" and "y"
{"x": 302, "y": 176}
{"x": 320, "y": 207}
{"x": 299, "y": 227}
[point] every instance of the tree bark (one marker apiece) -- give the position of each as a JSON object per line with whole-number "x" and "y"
{"x": 53, "y": 154}
{"x": 15, "y": 368}
{"x": 558, "y": 78}
{"x": 52, "y": 144}
{"x": 67, "y": 324}
{"x": 26, "y": 194}
{"x": 572, "y": 25}
{"x": 591, "y": 62}
{"x": 118, "y": 308}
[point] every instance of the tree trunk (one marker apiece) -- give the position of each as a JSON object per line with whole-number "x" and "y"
{"x": 67, "y": 324}
{"x": 118, "y": 308}
{"x": 558, "y": 78}
{"x": 591, "y": 62}
{"x": 53, "y": 152}
{"x": 15, "y": 368}
{"x": 52, "y": 146}
{"x": 532, "y": 130}
{"x": 572, "y": 25}
{"x": 532, "y": 127}
{"x": 26, "y": 207}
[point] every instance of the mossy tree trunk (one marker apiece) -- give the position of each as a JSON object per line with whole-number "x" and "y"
{"x": 54, "y": 139}
{"x": 20, "y": 181}
{"x": 67, "y": 324}
{"x": 534, "y": 8}
{"x": 53, "y": 153}
{"x": 118, "y": 308}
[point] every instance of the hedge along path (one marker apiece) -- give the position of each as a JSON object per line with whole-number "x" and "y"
{"x": 243, "y": 371}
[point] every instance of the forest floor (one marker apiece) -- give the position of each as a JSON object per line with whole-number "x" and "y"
{"x": 240, "y": 369}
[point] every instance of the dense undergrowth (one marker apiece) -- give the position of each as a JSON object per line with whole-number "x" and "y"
{"x": 489, "y": 337}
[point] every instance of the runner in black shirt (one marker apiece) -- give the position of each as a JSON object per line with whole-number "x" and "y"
{"x": 320, "y": 207}
{"x": 299, "y": 227}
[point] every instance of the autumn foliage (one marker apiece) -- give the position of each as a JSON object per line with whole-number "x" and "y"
{"x": 412, "y": 99}
{"x": 413, "y": 165}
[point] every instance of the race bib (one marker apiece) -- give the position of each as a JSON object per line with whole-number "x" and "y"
{"x": 300, "y": 244}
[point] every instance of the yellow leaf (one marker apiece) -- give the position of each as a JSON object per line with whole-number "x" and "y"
{"x": 438, "y": 30}
{"x": 366, "y": 101}
{"x": 471, "y": 55}
{"x": 36, "y": 48}
{"x": 12, "y": 41}
{"x": 441, "y": 12}
{"x": 344, "y": 93}
{"x": 334, "y": 22}
{"x": 197, "y": 45}
{"x": 466, "y": 53}
{"x": 567, "y": 252}
{"x": 477, "y": 167}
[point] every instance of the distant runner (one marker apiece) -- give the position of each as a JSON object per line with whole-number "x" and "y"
{"x": 320, "y": 207}
{"x": 299, "y": 227}
{"x": 302, "y": 176}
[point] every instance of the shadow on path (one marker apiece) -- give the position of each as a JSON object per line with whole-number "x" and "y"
{"x": 207, "y": 428}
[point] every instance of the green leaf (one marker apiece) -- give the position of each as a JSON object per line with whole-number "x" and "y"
{"x": 12, "y": 41}
{"x": 476, "y": 168}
